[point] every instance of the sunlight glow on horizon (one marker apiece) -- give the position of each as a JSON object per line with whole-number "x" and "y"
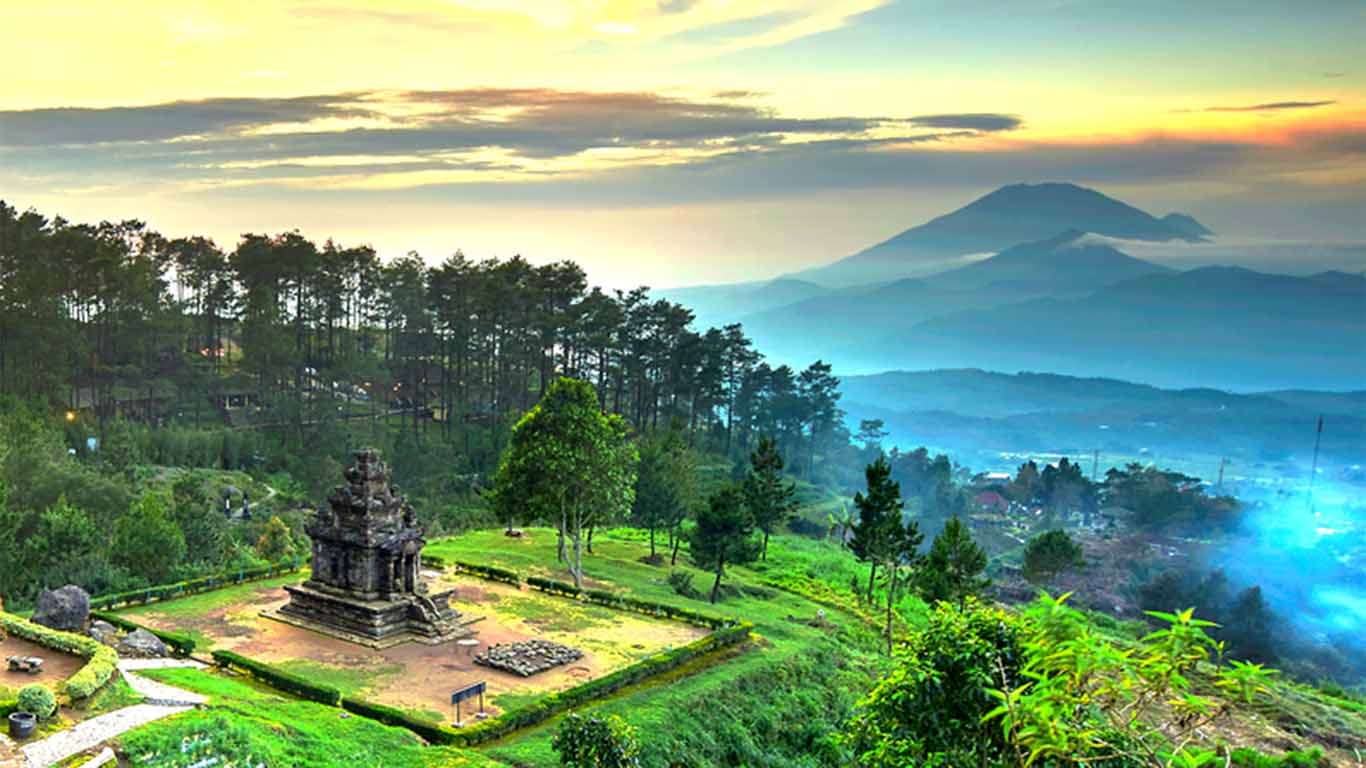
{"x": 697, "y": 108}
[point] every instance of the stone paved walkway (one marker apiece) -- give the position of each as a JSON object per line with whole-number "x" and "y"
{"x": 9, "y": 753}
{"x": 161, "y": 701}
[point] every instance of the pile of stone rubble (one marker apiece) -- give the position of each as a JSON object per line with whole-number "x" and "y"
{"x": 529, "y": 657}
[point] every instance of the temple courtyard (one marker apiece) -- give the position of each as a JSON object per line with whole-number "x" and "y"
{"x": 417, "y": 676}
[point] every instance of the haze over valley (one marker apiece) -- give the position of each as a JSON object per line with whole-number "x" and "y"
{"x": 682, "y": 384}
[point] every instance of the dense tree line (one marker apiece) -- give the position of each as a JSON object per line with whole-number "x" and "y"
{"x": 115, "y": 320}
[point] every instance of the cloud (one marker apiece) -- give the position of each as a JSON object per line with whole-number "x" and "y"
{"x": 517, "y": 126}
{"x": 675, "y": 6}
{"x": 1273, "y": 106}
{"x": 161, "y": 122}
{"x": 582, "y": 148}
{"x": 736, "y": 29}
{"x": 974, "y": 121}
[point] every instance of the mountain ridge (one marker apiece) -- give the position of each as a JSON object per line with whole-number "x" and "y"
{"x": 1010, "y": 215}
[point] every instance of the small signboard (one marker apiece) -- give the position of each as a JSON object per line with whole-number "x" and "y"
{"x": 468, "y": 692}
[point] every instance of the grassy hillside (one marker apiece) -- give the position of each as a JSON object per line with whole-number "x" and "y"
{"x": 782, "y": 700}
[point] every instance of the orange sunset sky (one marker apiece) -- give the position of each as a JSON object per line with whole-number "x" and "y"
{"x": 671, "y": 142}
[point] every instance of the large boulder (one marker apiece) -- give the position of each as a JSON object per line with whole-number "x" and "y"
{"x": 104, "y": 632}
{"x": 142, "y": 644}
{"x": 66, "y": 609}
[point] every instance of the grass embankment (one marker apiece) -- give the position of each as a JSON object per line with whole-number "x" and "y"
{"x": 247, "y": 724}
{"x": 776, "y": 703}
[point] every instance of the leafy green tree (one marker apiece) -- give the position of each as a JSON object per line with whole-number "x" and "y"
{"x": 838, "y": 522}
{"x": 1049, "y": 554}
{"x": 147, "y": 541}
{"x": 879, "y": 517}
{"x": 200, "y": 519}
{"x": 952, "y": 571}
{"x": 871, "y": 433}
{"x": 118, "y": 447}
{"x": 567, "y": 461}
{"x": 665, "y": 484}
{"x": 771, "y": 501}
{"x": 723, "y": 535}
{"x": 275, "y": 544}
{"x": 11, "y": 577}
{"x": 596, "y": 742}
{"x": 903, "y": 555}
{"x": 928, "y": 710}
{"x": 1249, "y": 629}
{"x": 66, "y": 543}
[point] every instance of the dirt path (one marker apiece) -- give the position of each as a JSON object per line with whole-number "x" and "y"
{"x": 161, "y": 701}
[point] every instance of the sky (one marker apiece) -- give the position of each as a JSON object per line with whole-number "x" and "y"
{"x": 676, "y": 142}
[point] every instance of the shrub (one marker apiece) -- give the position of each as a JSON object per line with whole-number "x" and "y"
{"x": 38, "y": 700}
{"x": 929, "y": 709}
{"x": 433, "y": 733}
{"x": 626, "y": 603}
{"x": 1088, "y": 700}
{"x": 490, "y": 572}
{"x": 190, "y": 587}
{"x": 1251, "y": 758}
{"x": 596, "y": 742}
{"x": 553, "y": 587}
{"x": 101, "y": 659}
{"x": 278, "y": 678}
{"x": 681, "y": 581}
{"x": 1049, "y": 554}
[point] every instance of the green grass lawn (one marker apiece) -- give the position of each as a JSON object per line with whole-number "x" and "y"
{"x": 778, "y": 701}
{"x": 246, "y": 724}
{"x": 797, "y": 678}
{"x": 196, "y": 605}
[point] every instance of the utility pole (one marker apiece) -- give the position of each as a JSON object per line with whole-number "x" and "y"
{"x": 1314, "y": 467}
{"x": 1219, "y": 487}
{"x": 1095, "y": 464}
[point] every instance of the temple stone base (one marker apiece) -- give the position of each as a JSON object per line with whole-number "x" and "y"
{"x": 379, "y": 623}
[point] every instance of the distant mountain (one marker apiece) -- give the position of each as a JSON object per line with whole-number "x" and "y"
{"x": 837, "y": 322}
{"x": 1018, "y": 213}
{"x": 982, "y": 414}
{"x": 1222, "y": 326}
{"x": 1063, "y": 264}
{"x": 717, "y": 305}
{"x": 1187, "y": 226}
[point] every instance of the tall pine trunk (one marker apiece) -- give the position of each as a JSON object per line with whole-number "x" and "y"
{"x": 891, "y": 597}
{"x": 578, "y": 551}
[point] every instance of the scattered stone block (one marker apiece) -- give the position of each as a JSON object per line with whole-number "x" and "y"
{"x": 104, "y": 632}
{"x": 529, "y": 657}
{"x": 141, "y": 644}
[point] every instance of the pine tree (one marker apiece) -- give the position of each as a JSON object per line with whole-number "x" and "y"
{"x": 953, "y": 569}
{"x": 724, "y": 535}
{"x": 879, "y": 518}
{"x": 771, "y": 501}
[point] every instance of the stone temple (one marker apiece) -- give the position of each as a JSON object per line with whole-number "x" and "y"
{"x": 367, "y": 585}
